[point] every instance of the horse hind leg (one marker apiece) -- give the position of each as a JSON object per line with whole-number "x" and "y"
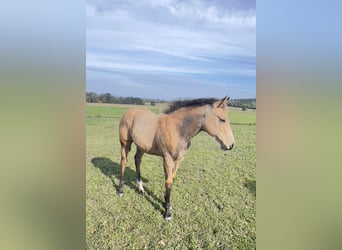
{"x": 125, "y": 148}
{"x": 137, "y": 161}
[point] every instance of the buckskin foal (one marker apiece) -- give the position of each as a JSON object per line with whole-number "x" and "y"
{"x": 169, "y": 135}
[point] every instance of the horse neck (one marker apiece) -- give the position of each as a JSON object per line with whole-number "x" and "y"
{"x": 190, "y": 121}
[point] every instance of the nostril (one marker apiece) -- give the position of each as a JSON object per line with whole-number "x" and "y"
{"x": 231, "y": 146}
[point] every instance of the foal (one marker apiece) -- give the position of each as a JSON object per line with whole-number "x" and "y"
{"x": 169, "y": 135}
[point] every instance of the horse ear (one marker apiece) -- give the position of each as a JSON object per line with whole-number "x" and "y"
{"x": 223, "y": 101}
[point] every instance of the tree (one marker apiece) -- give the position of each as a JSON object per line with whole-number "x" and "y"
{"x": 92, "y": 97}
{"x": 153, "y": 103}
{"x": 106, "y": 98}
{"x": 244, "y": 107}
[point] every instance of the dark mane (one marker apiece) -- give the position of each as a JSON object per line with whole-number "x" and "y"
{"x": 188, "y": 103}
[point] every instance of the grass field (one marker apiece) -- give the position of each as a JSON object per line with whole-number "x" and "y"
{"x": 213, "y": 198}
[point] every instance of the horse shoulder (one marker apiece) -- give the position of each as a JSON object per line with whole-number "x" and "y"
{"x": 169, "y": 136}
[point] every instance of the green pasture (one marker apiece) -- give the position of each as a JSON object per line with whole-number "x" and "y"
{"x": 213, "y": 197}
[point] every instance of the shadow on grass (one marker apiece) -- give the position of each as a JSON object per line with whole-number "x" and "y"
{"x": 251, "y": 186}
{"x": 112, "y": 170}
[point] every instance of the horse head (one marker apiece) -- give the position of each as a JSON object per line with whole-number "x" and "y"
{"x": 217, "y": 124}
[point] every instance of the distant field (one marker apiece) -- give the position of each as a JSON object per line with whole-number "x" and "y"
{"x": 213, "y": 198}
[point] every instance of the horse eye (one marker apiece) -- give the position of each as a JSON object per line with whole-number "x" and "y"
{"x": 222, "y": 120}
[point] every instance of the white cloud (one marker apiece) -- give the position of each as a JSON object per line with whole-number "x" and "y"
{"x": 203, "y": 10}
{"x": 90, "y": 10}
{"x": 141, "y": 67}
{"x": 170, "y": 37}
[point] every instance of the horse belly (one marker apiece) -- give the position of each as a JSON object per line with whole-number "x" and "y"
{"x": 143, "y": 141}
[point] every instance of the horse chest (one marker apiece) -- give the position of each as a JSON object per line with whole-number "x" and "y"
{"x": 178, "y": 149}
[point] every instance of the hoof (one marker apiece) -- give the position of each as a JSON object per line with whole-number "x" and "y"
{"x": 140, "y": 186}
{"x": 167, "y": 215}
{"x": 120, "y": 195}
{"x": 168, "y": 218}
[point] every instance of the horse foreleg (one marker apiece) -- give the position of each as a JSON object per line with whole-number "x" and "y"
{"x": 178, "y": 162}
{"x": 137, "y": 161}
{"x": 168, "y": 170}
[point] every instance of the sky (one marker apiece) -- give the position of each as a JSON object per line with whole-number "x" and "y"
{"x": 171, "y": 49}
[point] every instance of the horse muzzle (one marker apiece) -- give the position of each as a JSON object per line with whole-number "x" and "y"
{"x": 224, "y": 147}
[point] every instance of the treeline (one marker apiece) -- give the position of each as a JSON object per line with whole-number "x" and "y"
{"x": 108, "y": 98}
{"x": 243, "y": 103}
{"x": 92, "y": 97}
